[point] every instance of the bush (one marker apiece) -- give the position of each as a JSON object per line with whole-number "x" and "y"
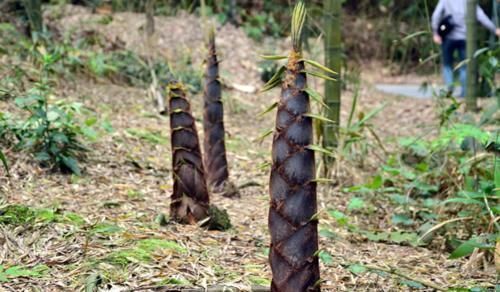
{"x": 51, "y": 131}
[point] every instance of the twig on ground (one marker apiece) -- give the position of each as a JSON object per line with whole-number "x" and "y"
{"x": 395, "y": 272}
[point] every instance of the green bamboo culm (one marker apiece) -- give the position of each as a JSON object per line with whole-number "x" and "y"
{"x": 333, "y": 60}
{"x": 34, "y": 12}
{"x": 471, "y": 98}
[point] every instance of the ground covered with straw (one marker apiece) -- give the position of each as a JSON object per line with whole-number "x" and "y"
{"x": 109, "y": 228}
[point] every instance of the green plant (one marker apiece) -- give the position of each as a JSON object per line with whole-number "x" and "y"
{"x": 257, "y": 25}
{"x": 7, "y": 274}
{"x": 143, "y": 251}
{"x": 487, "y": 59}
{"x": 24, "y": 215}
{"x": 354, "y": 138}
{"x": 449, "y": 182}
{"x": 51, "y": 131}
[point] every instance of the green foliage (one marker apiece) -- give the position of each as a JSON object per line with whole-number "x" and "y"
{"x": 16, "y": 215}
{"x": 467, "y": 247}
{"x": 143, "y": 251}
{"x": 51, "y": 131}
{"x": 219, "y": 219}
{"x": 105, "y": 229}
{"x": 488, "y": 67}
{"x": 7, "y": 274}
{"x": 449, "y": 176}
{"x": 148, "y": 136}
{"x": 260, "y": 24}
{"x": 325, "y": 258}
{"x": 24, "y": 215}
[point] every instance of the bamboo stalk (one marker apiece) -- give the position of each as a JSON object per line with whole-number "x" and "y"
{"x": 333, "y": 60}
{"x": 471, "y": 95}
{"x": 34, "y": 12}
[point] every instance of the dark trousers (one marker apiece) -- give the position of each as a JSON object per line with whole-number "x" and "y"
{"x": 449, "y": 48}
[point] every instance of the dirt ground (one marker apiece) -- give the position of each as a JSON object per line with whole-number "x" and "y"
{"x": 127, "y": 182}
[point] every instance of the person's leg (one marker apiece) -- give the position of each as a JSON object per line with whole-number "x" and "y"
{"x": 447, "y": 49}
{"x": 462, "y": 71}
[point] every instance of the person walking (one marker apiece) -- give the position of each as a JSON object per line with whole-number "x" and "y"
{"x": 449, "y": 29}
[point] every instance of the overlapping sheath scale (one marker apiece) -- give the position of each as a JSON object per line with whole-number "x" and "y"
{"x": 213, "y": 123}
{"x": 190, "y": 199}
{"x": 294, "y": 238}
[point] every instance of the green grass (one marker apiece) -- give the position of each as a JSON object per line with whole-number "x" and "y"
{"x": 143, "y": 251}
{"x": 8, "y": 274}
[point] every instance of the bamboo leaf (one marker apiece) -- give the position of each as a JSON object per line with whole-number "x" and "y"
{"x": 316, "y": 96}
{"x": 320, "y": 117}
{"x": 414, "y": 35}
{"x": 270, "y": 86}
{"x": 319, "y": 75}
{"x": 270, "y": 108}
{"x": 318, "y": 148}
{"x": 481, "y": 51}
{"x": 298, "y": 20}
{"x": 273, "y": 57}
{"x": 315, "y": 217}
{"x": 264, "y": 165}
{"x": 261, "y": 138}
{"x": 372, "y": 114}
{"x": 92, "y": 282}
{"x": 274, "y": 81}
{"x": 319, "y": 66}
{"x": 324, "y": 180}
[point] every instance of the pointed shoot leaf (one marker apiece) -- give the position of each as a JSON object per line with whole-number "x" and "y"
{"x": 273, "y": 57}
{"x": 319, "y": 75}
{"x": 298, "y": 20}
{"x": 274, "y": 81}
{"x": 269, "y": 109}
{"x": 321, "y": 118}
{"x": 318, "y": 148}
{"x": 261, "y": 138}
{"x": 316, "y": 96}
{"x": 319, "y": 66}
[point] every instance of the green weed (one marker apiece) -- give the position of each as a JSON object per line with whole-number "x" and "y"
{"x": 143, "y": 251}
{"x": 8, "y": 274}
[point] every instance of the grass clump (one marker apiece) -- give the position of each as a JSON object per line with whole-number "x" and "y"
{"x": 219, "y": 219}
{"x": 8, "y": 274}
{"x": 17, "y": 215}
{"x": 127, "y": 256}
{"x": 152, "y": 244}
{"x": 143, "y": 251}
{"x": 21, "y": 215}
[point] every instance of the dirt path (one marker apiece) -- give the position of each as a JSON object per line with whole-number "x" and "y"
{"x": 127, "y": 183}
